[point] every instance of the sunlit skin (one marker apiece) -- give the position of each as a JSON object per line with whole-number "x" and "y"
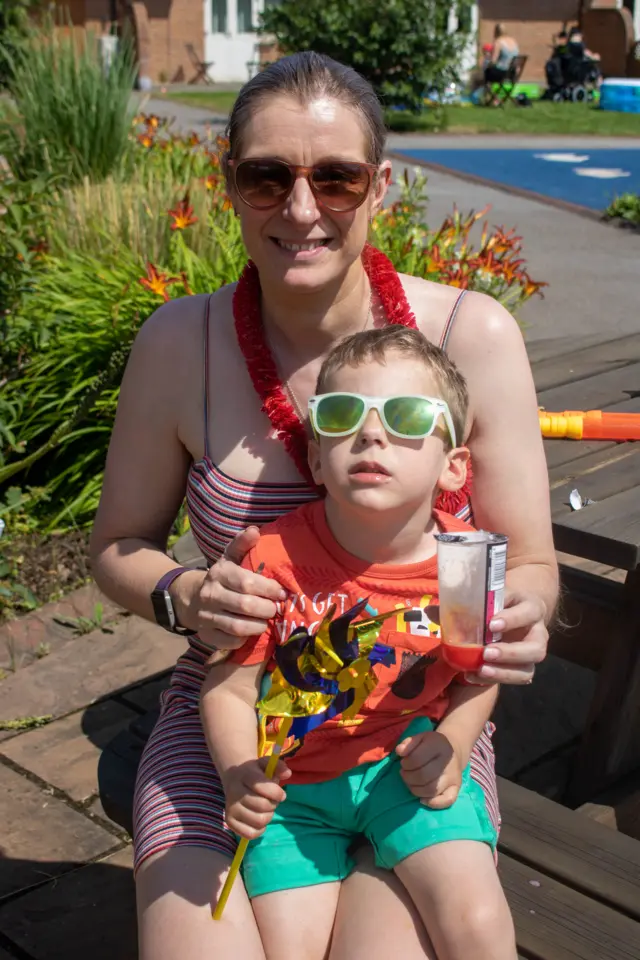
{"x": 381, "y": 488}
{"x": 306, "y": 135}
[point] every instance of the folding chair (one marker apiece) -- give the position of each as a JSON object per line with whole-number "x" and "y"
{"x": 201, "y": 66}
{"x": 506, "y": 87}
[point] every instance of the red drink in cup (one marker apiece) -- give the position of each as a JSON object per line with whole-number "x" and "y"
{"x": 471, "y": 578}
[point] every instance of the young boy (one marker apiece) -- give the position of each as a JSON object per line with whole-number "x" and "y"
{"x": 387, "y": 420}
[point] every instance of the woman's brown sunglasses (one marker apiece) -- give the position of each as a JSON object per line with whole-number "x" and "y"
{"x": 338, "y": 185}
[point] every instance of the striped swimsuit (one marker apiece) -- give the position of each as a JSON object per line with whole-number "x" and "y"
{"x": 179, "y": 798}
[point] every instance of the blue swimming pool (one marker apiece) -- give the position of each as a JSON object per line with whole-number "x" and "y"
{"x": 589, "y": 178}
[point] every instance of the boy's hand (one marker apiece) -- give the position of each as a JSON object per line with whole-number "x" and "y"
{"x": 251, "y": 798}
{"x": 431, "y": 768}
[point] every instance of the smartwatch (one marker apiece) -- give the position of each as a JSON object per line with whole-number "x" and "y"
{"x": 163, "y": 604}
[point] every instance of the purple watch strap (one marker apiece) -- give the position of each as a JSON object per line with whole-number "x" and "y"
{"x": 167, "y": 579}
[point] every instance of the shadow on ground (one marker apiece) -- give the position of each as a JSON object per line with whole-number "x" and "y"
{"x": 84, "y": 911}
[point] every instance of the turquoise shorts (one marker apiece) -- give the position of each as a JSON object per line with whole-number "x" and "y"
{"x": 308, "y": 840}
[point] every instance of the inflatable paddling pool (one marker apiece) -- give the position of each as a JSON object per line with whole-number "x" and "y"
{"x": 620, "y": 95}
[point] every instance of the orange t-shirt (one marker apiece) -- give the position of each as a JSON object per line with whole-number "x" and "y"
{"x": 300, "y": 552}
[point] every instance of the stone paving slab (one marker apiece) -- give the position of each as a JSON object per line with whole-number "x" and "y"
{"x": 93, "y": 667}
{"x": 89, "y": 913}
{"x": 20, "y": 639}
{"x": 41, "y": 835}
{"x": 66, "y": 752}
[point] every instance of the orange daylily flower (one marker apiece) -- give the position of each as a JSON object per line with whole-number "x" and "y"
{"x": 226, "y": 204}
{"x": 145, "y": 140}
{"x": 212, "y": 180}
{"x": 157, "y": 281}
{"x": 182, "y": 214}
{"x": 532, "y": 287}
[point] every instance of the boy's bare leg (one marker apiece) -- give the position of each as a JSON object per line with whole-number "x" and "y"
{"x": 297, "y": 924}
{"x": 456, "y": 889}
{"x": 376, "y": 917}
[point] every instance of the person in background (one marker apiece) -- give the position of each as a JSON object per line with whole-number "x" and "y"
{"x": 505, "y": 50}
{"x": 577, "y": 48}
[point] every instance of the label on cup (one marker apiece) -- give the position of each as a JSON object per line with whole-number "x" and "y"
{"x": 480, "y": 572}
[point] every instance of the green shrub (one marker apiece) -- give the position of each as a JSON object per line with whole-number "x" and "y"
{"x": 89, "y": 308}
{"x": 14, "y": 29}
{"x": 23, "y": 214}
{"x": 626, "y": 208}
{"x": 402, "y": 47}
{"x": 74, "y": 119}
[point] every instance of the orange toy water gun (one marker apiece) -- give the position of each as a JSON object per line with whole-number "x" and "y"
{"x": 590, "y": 425}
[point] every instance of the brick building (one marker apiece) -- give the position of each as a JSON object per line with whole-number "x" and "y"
{"x": 222, "y": 32}
{"x": 171, "y": 35}
{"x": 610, "y": 28}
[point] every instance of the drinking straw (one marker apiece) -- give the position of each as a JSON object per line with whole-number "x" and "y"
{"x": 244, "y": 843}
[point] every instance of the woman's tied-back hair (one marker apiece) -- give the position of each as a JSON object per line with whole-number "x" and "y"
{"x": 375, "y": 345}
{"x": 309, "y": 76}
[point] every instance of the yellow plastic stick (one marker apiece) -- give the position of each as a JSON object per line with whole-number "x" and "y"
{"x": 244, "y": 843}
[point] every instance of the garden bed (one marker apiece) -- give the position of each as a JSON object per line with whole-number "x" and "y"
{"x": 37, "y": 569}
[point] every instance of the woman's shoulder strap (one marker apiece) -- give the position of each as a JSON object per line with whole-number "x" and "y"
{"x": 205, "y": 376}
{"x": 446, "y": 333}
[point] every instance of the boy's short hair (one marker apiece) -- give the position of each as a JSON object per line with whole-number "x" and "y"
{"x": 375, "y": 344}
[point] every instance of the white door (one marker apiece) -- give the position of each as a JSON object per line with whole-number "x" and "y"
{"x": 470, "y": 55}
{"x": 230, "y": 38}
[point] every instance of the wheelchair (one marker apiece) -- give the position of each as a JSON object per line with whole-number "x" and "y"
{"x": 571, "y": 78}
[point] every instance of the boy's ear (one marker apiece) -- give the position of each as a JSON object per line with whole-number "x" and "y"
{"x": 454, "y": 472}
{"x": 313, "y": 458}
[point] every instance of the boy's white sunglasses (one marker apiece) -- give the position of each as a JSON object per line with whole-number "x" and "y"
{"x": 408, "y": 417}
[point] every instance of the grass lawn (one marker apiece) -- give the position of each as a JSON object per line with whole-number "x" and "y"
{"x": 542, "y": 117}
{"x": 218, "y": 101}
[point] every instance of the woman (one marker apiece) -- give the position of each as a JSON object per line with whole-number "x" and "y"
{"x": 306, "y": 175}
{"x": 505, "y": 50}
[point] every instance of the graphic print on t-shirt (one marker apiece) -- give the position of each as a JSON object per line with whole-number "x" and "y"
{"x": 301, "y": 553}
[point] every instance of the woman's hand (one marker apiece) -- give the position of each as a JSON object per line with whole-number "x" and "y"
{"x": 230, "y": 603}
{"x": 523, "y": 645}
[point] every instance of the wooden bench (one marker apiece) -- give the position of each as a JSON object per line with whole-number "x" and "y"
{"x": 572, "y": 884}
{"x": 604, "y": 614}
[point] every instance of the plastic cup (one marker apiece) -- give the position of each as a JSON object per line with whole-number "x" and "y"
{"x": 471, "y": 580}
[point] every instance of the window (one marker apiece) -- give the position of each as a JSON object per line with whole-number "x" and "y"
{"x": 218, "y": 16}
{"x": 245, "y": 10}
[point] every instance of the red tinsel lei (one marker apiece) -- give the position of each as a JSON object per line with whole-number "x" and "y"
{"x": 288, "y": 427}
